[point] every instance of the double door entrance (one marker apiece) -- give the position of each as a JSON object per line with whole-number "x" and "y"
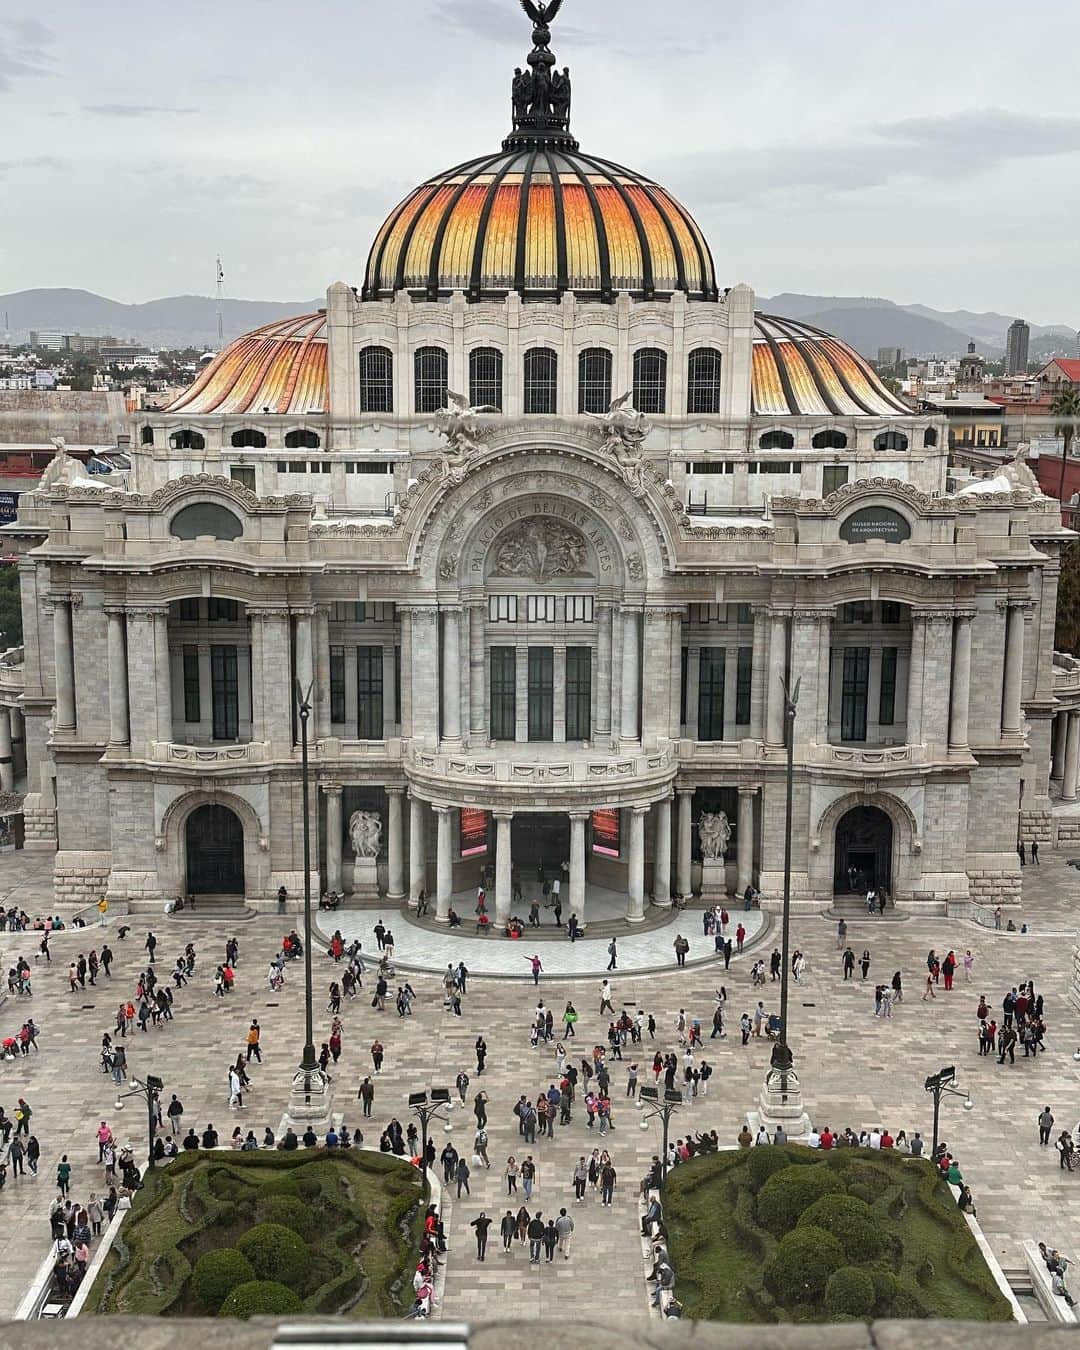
{"x": 540, "y": 840}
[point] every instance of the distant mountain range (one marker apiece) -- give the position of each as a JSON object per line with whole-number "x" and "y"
{"x": 191, "y": 321}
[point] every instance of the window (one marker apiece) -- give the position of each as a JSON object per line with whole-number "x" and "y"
{"x": 776, "y": 440}
{"x": 579, "y": 609}
{"x": 485, "y": 378}
{"x": 650, "y": 380}
{"x": 594, "y": 380}
{"x": 224, "y": 611}
{"x": 829, "y": 440}
{"x": 857, "y": 611}
{"x": 503, "y": 694}
{"x": 337, "y": 684}
{"x": 248, "y": 439}
{"x": 744, "y": 675}
{"x": 930, "y": 437}
{"x": 740, "y": 613}
{"x": 244, "y": 474}
{"x": 707, "y": 614}
{"x": 374, "y": 611}
{"x": 376, "y": 380}
{"x": 146, "y": 436}
{"x": 711, "y": 694}
{"x": 224, "y": 692}
{"x": 367, "y": 466}
{"x": 684, "y": 667}
{"x": 189, "y": 609}
{"x": 710, "y": 466}
{"x": 775, "y": 466}
{"x": 540, "y": 608}
{"x": 541, "y": 391}
{"x": 890, "y": 611}
{"x": 853, "y": 693}
{"x": 430, "y": 371}
{"x": 833, "y": 477}
{"x": 298, "y": 466}
{"x": 891, "y": 440}
{"x": 186, "y": 439}
{"x": 541, "y": 693}
{"x": 302, "y": 440}
{"x": 887, "y": 700}
{"x": 578, "y": 693}
{"x": 320, "y": 466}
{"x": 192, "y": 707}
{"x": 369, "y": 694}
{"x": 703, "y": 381}
{"x": 502, "y": 608}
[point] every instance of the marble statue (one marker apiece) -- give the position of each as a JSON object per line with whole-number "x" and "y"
{"x": 365, "y": 831}
{"x": 540, "y": 548}
{"x": 715, "y": 834}
{"x": 1018, "y": 471}
{"x": 624, "y": 430}
{"x": 459, "y": 425}
{"x": 62, "y": 468}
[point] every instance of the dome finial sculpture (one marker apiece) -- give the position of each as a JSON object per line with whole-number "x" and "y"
{"x": 541, "y": 95}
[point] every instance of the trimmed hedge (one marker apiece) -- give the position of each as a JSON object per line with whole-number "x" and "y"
{"x": 260, "y": 1298}
{"x": 217, "y": 1273}
{"x": 804, "y": 1261}
{"x": 791, "y": 1190}
{"x": 277, "y": 1253}
{"x": 850, "y": 1221}
{"x": 290, "y": 1212}
{"x": 849, "y": 1293}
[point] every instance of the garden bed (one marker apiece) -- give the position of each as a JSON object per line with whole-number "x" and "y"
{"x": 790, "y": 1234}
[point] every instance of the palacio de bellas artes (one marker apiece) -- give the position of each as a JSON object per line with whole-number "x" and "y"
{"x": 539, "y": 611}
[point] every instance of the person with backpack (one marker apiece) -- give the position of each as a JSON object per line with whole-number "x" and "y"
{"x": 613, "y": 955}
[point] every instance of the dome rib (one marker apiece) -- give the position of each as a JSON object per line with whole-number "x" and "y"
{"x": 846, "y": 383}
{"x": 444, "y": 224}
{"x": 562, "y": 276}
{"x": 477, "y": 271}
{"x": 523, "y": 223}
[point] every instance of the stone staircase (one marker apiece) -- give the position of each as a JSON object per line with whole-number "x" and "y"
{"x": 211, "y": 907}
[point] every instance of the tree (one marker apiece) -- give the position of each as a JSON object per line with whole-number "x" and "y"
{"x": 1067, "y": 628}
{"x": 1066, "y": 404}
{"x": 11, "y": 634}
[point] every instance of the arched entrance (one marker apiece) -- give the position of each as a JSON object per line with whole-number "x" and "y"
{"x": 864, "y": 839}
{"x": 540, "y": 838}
{"x": 214, "y": 839}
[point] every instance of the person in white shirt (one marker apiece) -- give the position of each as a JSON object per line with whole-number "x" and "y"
{"x": 814, "y": 1140}
{"x": 875, "y": 1138}
{"x": 762, "y": 1136}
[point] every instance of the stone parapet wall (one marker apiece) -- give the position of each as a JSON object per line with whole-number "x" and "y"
{"x": 39, "y": 822}
{"x": 995, "y": 886}
{"x": 1066, "y": 832}
{"x": 1037, "y": 824}
{"x": 80, "y": 878}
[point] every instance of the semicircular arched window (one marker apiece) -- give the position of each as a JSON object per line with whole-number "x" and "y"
{"x": 430, "y": 366}
{"x": 703, "y": 381}
{"x": 186, "y": 439}
{"x": 930, "y": 437}
{"x": 247, "y": 438}
{"x": 650, "y": 380}
{"x": 891, "y": 440}
{"x": 202, "y": 519}
{"x": 301, "y": 440}
{"x": 146, "y": 436}
{"x": 776, "y": 440}
{"x": 829, "y": 440}
{"x": 594, "y": 380}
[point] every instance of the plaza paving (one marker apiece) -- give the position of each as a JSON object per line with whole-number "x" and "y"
{"x": 856, "y": 1070}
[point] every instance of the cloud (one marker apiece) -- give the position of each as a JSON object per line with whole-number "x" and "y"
{"x": 136, "y": 110}
{"x": 24, "y": 51}
{"x": 504, "y": 23}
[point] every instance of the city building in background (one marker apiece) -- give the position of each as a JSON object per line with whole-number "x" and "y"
{"x": 1016, "y": 347}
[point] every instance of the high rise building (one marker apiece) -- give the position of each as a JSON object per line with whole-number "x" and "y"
{"x": 1016, "y": 347}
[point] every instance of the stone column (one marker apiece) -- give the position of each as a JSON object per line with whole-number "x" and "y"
{"x": 163, "y": 676}
{"x": 1072, "y": 758}
{"x": 478, "y": 721}
{"x": 662, "y": 872}
{"x": 1061, "y": 731}
{"x": 305, "y": 663}
{"x": 390, "y": 712}
{"x": 451, "y": 675}
{"x": 1014, "y": 671}
{"x": 961, "y": 683}
{"x": 119, "y": 721}
{"x": 322, "y": 673}
{"x": 675, "y": 677}
{"x": 628, "y": 723}
{"x": 406, "y": 673}
{"x": 7, "y": 763}
{"x": 503, "y": 866}
{"x": 417, "y": 853}
{"x": 444, "y": 864}
{"x": 578, "y": 823}
{"x": 760, "y": 674}
{"x": 744, "y": 875}
{"x": 915, "y": 680}
{"x": 635, "y": 886}
{"x": 395, "y": 847}
{"x": 693, "y": 688}
{"x": 684, "y": 859}
{"x": 603, "y": 672}
{"x": 774, "y": 692}
{"x": 333, "y": 837}
{"x": 64, "y": 660}
{"x": 424, "y": 670}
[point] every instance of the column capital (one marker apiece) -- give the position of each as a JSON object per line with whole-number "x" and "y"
{"x": 685, "y": 791}
{"x": 932, "y": 615}
{"x": 1014, "y": 602}
{"x": 393, "y": 791}
{"x": 333, "y": 789}
{"x": 964, "y": 615}
{"x": 503, "y": 815}
{"x": 146, "y": 611}
{"x": 659, "y": 612}
{"x": 425, "y": 613}
{"x": 268, "y": 612}
{"x": 453, "y": 607}
{"x": 115, "y": 611}
{"x": 580, "y": 815}
{"x": 749, "y": 790}
{"x": 442, "y": 810}
{"x": 641, "y": 810}
{"x": 813, "y": 615}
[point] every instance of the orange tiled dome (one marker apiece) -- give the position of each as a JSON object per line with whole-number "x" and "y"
{"x": 540, "y": 220}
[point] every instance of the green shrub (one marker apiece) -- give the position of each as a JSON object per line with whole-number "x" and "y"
{"x": 861, "y": 1191}
{"x": 226, "y": 1215}
{"x": 277, "y": 1253}
{"x": 924, "y": 1272}
{"x": 788, "y": 1192}
{"x": 886, "y": 1288}
{"x": 260, "y": 1298}
{"x": 289, "y": 1211}
{"x": 310, "y": 1189}
{"x": 216, "y": 1273}
{"x": 850, "y": 1221}
{"x": 803, "y": 1263}
{"x": 284, "y": 1186}
{"x": 761, "y": 1163}
{"x": 849, "y": 1292}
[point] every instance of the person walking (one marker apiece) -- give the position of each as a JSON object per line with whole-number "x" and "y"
{"x": 508, "y": 1230}
{"x": 481, "y": 1054}
{"x": 367, "y": 1096}
{"x": 841, "y": 934}
{"x": 537, "y": 967}
{"x": 681, "y": 948}
{"x": 580, "y": 1177}
{"x": 461, "y": 1176}
{"x": 848, "y": 960}
{"x": 480, "y": 1143}
{"x": 564, "y": 1228}
{"x": 613, "y": 957}
{"x": 1046, "y": 1124}
{"x": 1035, "y": 852}
{"x": 864, "y": 962}
{"x": 928, "y": 992}
{"x": 377, "y": 1055}
{"x": 481, "y": 1224}
{"x": 605, "y": 998}
{"x": 63, "y": 1175}
{"x": 535, "y": 1233}
{"x": 607, "y": 1184}
{"x": 253, "y": 1037}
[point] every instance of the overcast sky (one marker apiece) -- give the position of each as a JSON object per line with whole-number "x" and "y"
{"x": 926, "y": 152}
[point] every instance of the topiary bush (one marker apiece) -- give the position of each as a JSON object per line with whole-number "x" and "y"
{"x": 260, "y": 1298}
{"x": 789, "y": 1192}
{"x": 216, "y": 1273}
{"x": 277, "y": 1253}
{"x": 290, "y": 1212}
{"x": 803, "y": 1263}
{"x": 849, "y": 1292}
{"x": 762, "y": 1162}
{"x": 850, "y": 1221}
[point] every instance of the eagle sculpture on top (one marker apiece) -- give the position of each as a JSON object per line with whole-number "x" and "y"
{"x": 542, "y": 14}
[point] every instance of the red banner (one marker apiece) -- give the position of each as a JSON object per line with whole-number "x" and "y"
{"x": 474, "y": 832}
{"x": 605, "y": 833}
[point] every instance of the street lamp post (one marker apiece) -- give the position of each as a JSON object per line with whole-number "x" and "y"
{"x": 148, "y": 1090}
{"x": 426, "y": 1106}
{"x": 654, "y": 1108}
{"x": 938, "y": 1084}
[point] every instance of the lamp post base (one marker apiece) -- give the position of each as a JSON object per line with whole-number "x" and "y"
{"x": 311, "y": 1102}
{"x": 781, "y": 1103}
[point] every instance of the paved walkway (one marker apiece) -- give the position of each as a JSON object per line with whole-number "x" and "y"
{"x": 417, "y": 948}
{"x": 855, "y": 1070}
